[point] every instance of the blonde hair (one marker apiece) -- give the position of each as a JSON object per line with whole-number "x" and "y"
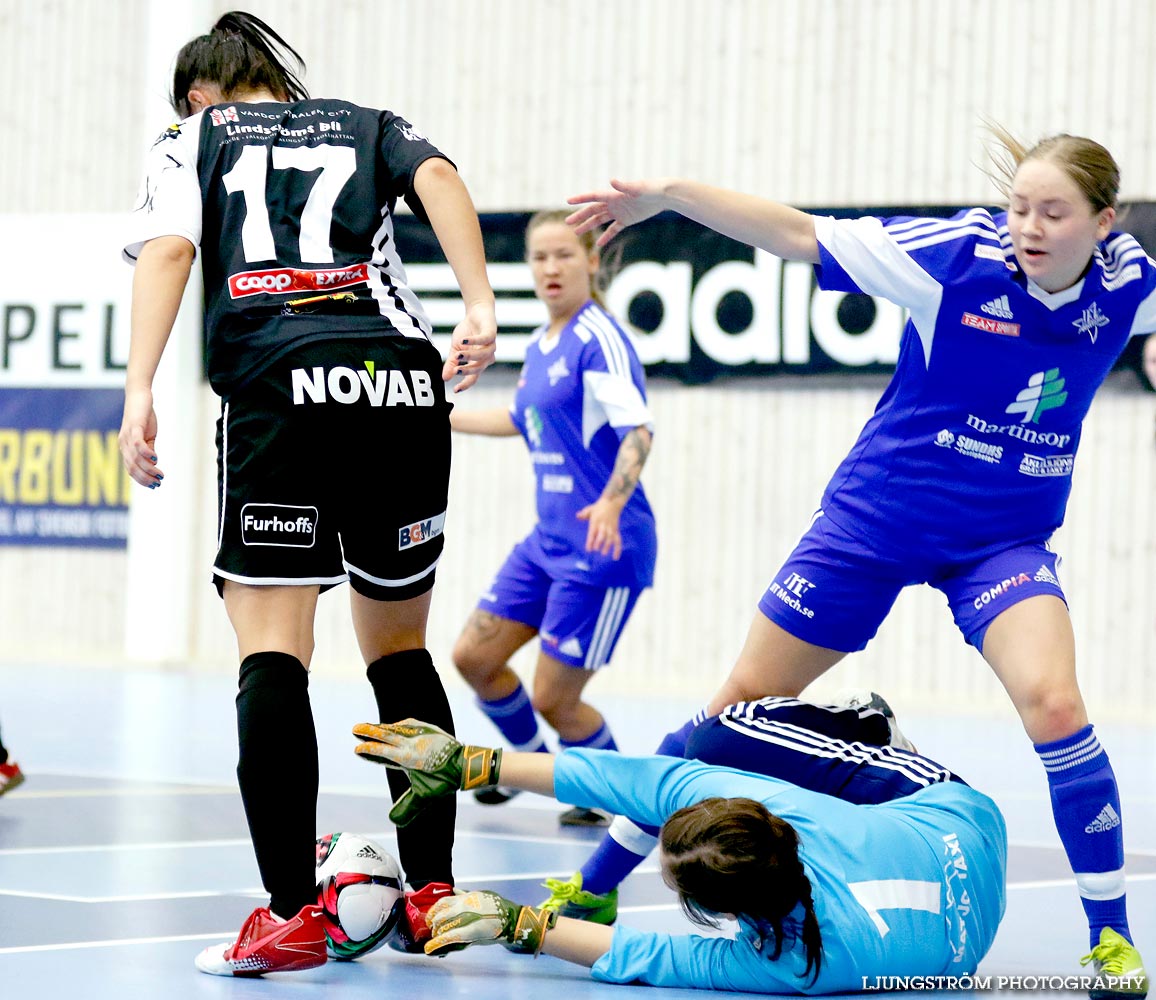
{"x": 1089, "y": 165}
{"x": 598, "y": 280}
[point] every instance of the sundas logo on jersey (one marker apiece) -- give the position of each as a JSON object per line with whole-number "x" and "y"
{"x": 280, "y": 280}
{"x": 381, "y": 386}
{"x": 279, "y": 525}
{"x": 421, "y": 532}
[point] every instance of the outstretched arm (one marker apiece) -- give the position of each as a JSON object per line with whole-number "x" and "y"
{"x": 779, "y": 229}
{"x": 438, "y": 765}
{"x": 482, "y": 916}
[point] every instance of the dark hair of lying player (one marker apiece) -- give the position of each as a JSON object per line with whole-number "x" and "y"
{"x": 734, "y": 857}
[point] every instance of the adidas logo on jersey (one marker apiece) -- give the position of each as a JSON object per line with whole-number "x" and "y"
{"x": 1107, "y": 820}
{"x": 998, "y": 307}
{"x": 1045, "y": 575}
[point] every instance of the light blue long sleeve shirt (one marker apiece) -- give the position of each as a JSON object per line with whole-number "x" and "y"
{"x": 909, "y": 887}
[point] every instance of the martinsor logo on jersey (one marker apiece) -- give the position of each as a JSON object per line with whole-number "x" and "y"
{"x": 287, "y": 280}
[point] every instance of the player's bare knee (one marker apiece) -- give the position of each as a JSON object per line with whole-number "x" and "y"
{"x": 1054, "y": 715}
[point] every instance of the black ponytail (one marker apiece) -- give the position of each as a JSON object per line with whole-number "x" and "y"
{"x": 241, "y": 53}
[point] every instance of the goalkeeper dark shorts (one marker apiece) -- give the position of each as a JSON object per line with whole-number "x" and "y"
{"x": 333, "y": 465}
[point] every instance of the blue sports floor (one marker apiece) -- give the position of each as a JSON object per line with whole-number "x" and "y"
{"x": 126, "y": 850}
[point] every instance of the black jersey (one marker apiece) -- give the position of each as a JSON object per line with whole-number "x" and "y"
{"x": 291, "y": 206}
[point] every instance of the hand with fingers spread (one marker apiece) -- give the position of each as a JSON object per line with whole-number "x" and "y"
{"x": 138, "y": 436}
{"x": 437, "y": 764}
{"x": 484, "y": 917}
{"x": 629, "y": 202}
{"x": 473, "y": 346}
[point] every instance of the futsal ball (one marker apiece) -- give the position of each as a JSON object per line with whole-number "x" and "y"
{"x": 360, "y": 892}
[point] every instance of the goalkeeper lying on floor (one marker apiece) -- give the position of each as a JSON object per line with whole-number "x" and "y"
{"x": 842, "y": 857}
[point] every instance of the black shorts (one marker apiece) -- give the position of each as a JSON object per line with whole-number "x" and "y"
{"x": 333, "y": 465}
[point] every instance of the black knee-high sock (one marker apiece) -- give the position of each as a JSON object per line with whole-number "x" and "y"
{"x": 277, "y": 773}
{"x": 407, "y": 685}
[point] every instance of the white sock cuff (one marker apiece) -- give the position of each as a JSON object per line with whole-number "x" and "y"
{"x": 1101, "y": 886}
{"x": 632, "y": 837}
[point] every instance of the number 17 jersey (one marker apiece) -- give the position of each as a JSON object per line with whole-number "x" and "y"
{"x": 291, "y": 205}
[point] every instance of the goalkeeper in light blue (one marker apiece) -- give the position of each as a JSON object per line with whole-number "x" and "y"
{"x": 825, "y": 889}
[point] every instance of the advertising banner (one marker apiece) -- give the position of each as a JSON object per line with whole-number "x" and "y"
{"x": 702, "y": 305}
{"x": 64, "y": 305}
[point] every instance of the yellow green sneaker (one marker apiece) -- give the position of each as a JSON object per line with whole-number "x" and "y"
{"x": 568, "y": 899}
{"x": 1118, "y": 967}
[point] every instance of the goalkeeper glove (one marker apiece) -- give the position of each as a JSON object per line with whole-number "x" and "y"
{"x": 484, "y": 917}
{"x": 436, "y": 764}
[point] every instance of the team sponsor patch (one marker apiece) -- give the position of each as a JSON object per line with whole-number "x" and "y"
{"x": 555, "y": 483}
{"x": 286, "y": 280}
{"x": 278, "y": 525}
{"x": 791, "y": 590}
{"x": 219, "y": 116}
{"x": 1047, "y": 465}
{"x": 989, "y": 252}
{"x": 991, "y": 325}
{"x": 421, "y": 532}
{"x": 1001, "y": 588}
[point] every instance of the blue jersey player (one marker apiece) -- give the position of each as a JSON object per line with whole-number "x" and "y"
{"x": 840, "y": 856}
{"x": 964, "y": 471}
{"x": 573, "y": 581}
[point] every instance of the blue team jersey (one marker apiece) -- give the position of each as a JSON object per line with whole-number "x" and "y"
{"x": 972, "y": 447}
{"x": 576, "y": 400}
{"x": 911, "y": 887}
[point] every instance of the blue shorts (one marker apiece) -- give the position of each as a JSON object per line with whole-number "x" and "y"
{"x": 577, "y": 624}
{"x": 834, "y": 590}
{"x": 839, "y": 751}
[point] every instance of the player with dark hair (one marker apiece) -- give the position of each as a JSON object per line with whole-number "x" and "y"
{"x": 573, "y": 581}
{"x": 840, "y": 855}
{"x": 323, "y": 359}
{"x": 962, "y": 474}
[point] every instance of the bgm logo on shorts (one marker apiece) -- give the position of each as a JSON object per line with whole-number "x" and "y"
{"x": 278, "y": 525}
{"x": 420, "y": 532}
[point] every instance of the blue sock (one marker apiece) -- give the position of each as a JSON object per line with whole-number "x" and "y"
{"x": 600, "y": 739}
{"x": 611, "y": 861}
{"x": 1086, "y": 806}
{"x": 674, "y": 744}
{"x": 515, "y": 719}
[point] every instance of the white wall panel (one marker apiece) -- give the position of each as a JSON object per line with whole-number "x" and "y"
{"x": 816, "y": 102}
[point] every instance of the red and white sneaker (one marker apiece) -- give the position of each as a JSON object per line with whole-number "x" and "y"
{"x": 10, "y": 776}
{"x": 412, "y": 930}
{"x": 269, "y": 944}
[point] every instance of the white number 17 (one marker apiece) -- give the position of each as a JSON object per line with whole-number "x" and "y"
{"x": 336, "y": 163}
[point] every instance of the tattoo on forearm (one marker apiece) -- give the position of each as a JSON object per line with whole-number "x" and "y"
{"x": 632, "y": 454}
